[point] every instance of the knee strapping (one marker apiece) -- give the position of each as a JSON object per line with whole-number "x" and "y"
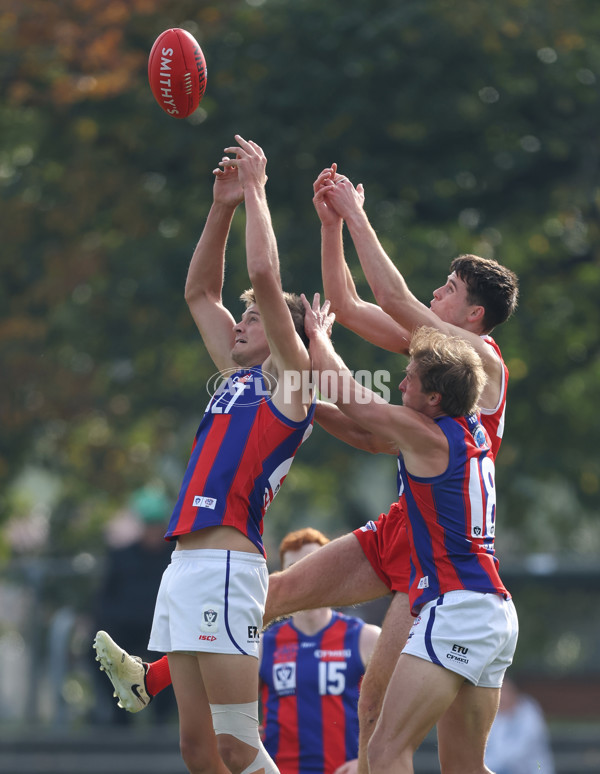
{"x": 262, "y": 762}
{"x": 241, "y": 722}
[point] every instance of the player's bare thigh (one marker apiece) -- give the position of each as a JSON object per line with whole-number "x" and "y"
{"x": 394, "y": 633}
{"x": 195, "y": 719}
{"x": 337, "y": 575}
{"x": 464, "y": 728}
{"x": 215, "y": 678}
{"x": 212, "y": 678}
{"x": 418, "y": 695}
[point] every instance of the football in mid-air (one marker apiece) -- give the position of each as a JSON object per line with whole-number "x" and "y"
{"x": 177, "y": 72}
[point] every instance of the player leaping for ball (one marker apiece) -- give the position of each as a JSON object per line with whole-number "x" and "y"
{"x": 452, "y": 666}
{"x": 478, "y": 295}
{"x": 210, "y": 604}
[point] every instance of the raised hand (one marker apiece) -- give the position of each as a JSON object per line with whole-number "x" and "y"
{"x": 250, "y": 162}
{"x": 344, "y": 197}
{"x": 317, "y": 319}
{"x": 227, "y": 189}
{"x": 325, "y": 210}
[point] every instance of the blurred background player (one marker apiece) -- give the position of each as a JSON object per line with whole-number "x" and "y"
{"x": 310, "y": 671}
{"x": 311, "y": 666}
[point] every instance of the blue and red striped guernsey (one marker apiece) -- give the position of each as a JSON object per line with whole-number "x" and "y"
{"x": 452, "y": 518}
{"x": 242, "y": 452}
{"x": 309, "y": 691}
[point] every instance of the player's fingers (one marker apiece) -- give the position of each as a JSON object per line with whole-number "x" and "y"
{"x": 249, "y": 145}
{"x": 320, "y": 190}
{"x": 236, "y": 151}
{"x": 316, "y": 302}
{"x": 322, "y": 182}
{"x": 226, "y": 162}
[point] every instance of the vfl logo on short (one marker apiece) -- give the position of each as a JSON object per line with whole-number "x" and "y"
{"x": 205, "y": 502}
{"x": 284, "y": 677}
{"x": 424, "y": 582}
{"x": 209, "y": 622}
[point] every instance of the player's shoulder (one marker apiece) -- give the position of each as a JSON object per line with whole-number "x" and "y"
{"x": 492, "y": 345}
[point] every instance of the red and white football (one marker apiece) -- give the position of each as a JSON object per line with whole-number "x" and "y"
{"x": 177, "y": 72}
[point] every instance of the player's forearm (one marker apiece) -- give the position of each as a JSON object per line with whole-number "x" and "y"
{"x": 261, "y": 245}
{"x": 386, "y": 282}
{"x": 336, "y": 383}
{"x": 337, "y": 424}
{"x": 338, "y": 284}
{"x": 207, "y": 267}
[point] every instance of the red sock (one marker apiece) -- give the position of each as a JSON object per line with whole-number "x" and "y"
{"x": 158, "y": 676}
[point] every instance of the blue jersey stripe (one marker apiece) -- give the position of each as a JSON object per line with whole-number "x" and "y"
{"x": 309, "y": 707}
{"x": 350, "y": 695}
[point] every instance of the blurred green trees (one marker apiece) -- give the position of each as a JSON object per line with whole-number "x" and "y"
{"x": 473, "y": 126}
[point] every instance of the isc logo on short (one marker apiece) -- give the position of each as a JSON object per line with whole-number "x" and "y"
{"x": 205, "y": 502}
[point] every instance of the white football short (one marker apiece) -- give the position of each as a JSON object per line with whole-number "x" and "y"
{"x": 210, "y": 600}
{"x": 467, "y": 632}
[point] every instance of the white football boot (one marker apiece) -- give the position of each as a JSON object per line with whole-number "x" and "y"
{"x": 126, "y": 673}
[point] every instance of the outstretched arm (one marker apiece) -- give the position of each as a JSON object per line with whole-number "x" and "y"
{"x": 366, "y": 320}
{"x": 391, "y": 290}
{"x": 386, "y": 282}
{"x": 422, "y": 443}
{"x": 335, "y": 380}
{"x": 336, "y": 423}
{"x": 288, "y": 352}
{"x": 204, "y": 282}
